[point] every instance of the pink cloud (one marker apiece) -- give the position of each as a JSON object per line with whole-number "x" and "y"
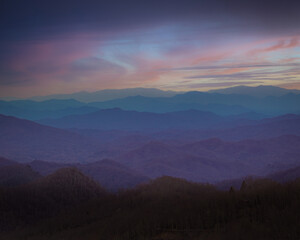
{"x": 280, "y": 45}
{"x": 53, "y": 61}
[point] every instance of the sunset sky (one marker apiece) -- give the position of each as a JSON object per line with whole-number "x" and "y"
{"x": 49, "y": 47}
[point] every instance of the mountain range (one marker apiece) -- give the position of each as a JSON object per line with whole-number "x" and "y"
{"x": 108, "y": 94}
{"x": 143, "y": 157}
{"x": 199, "y": 136}
{"x": 262, "y": 100}
{"x": 223, "y": 104}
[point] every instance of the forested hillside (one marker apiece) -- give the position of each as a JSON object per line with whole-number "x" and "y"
{"x": 67, "y": 205}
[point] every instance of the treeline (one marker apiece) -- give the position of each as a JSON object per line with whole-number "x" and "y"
{"x": 44, "y": 198}
{"x": 166, "y": 208}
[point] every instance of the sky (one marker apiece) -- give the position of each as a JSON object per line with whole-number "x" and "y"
{"x": 51, "y": 47}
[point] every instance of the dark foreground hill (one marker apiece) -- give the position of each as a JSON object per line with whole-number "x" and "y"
{"x": 17, "y": 174}
{"x": 45, "y": 197}
{"x": 167, "y": 208}
{"x": 6, "y": 162}
{"x": 108, "y": 173}
{"x": 112, "y": 175}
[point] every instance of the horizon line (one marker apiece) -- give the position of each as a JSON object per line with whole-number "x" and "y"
{"x": 11, "y": 98}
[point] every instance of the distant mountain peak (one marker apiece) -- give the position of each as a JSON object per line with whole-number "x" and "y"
{"x": 257, "y": 91}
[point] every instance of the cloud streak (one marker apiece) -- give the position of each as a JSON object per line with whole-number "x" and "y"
{"x": 220, "y": 84}
{"x": 47, "y": 48}
{"x": 265, "y": 75}
{"x": 262, "y": 65}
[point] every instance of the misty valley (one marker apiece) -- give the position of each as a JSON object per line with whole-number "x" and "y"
{"x": 194, "y": 165}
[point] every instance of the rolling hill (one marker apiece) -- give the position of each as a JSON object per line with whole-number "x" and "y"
{"x": 24, "y": 141}
{"x": 33, "y": 110}
{"x": 214, "y": 160}
{"x": 118, "y": 119}
{"x": 261, "y": 129}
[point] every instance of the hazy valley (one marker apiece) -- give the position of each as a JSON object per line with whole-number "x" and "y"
{"x": 62, "y": 155}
